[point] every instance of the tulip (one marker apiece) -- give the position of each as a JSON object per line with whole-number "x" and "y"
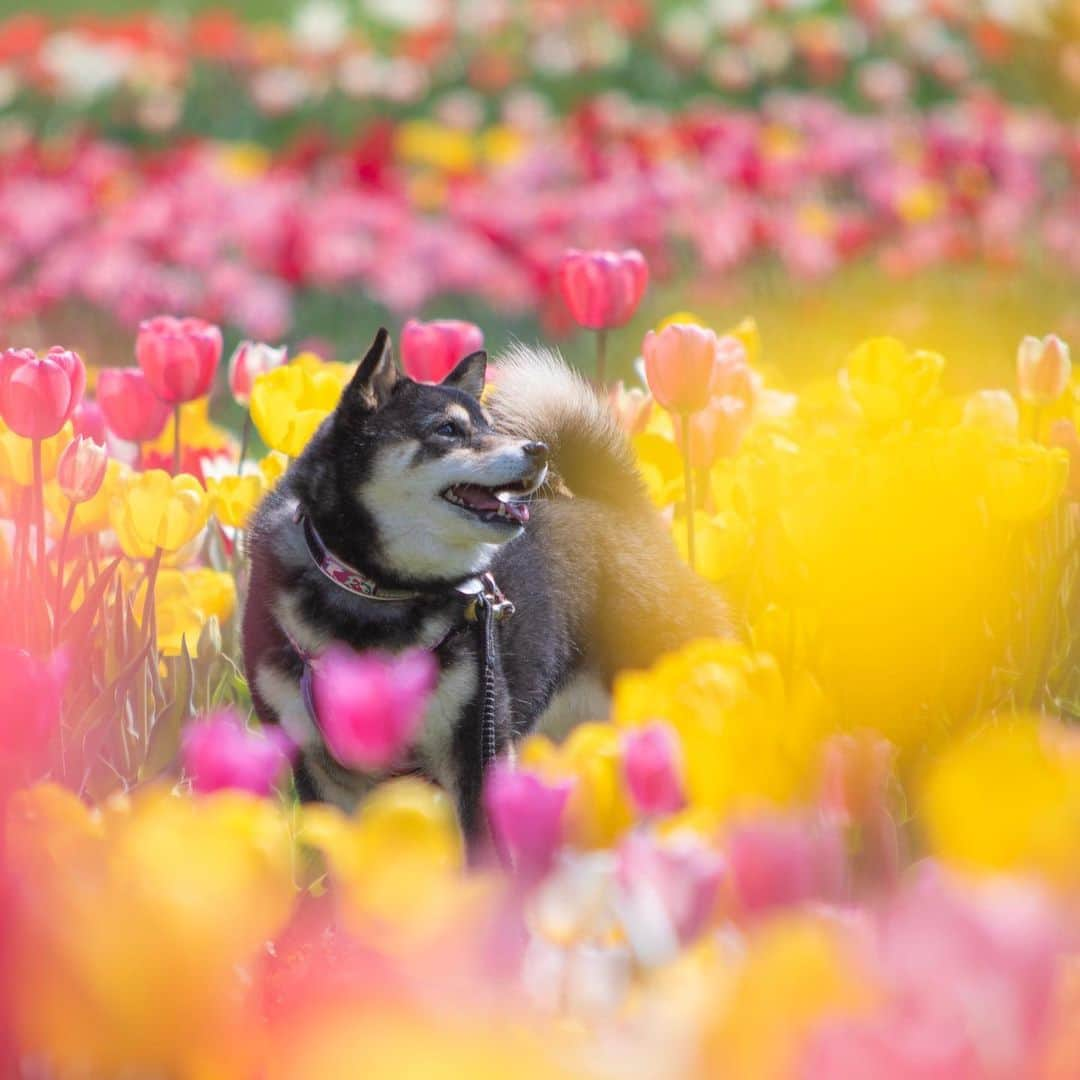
{"x": 652, "y": 768}
{"x": 233, "y": 498}
{"x": 220, "y": 751}
{"x": 38, "y": 394}
{"x": 131, "y": 408}
{"x": 1042, "y": 369}
{"x": 89, "y": 420}
{"x": 249, "y": 360}
{"x": 290, "y": 402}
{"x": 993, "y": 411}
{"x": 668, "y": 893}
{"x": 370, "y": 706}
{"x": 715, "y": 432}
{"x": 778, "y": 862}
{"x": 680, "y": 366}
{"x": 179, "y": 358}
{"x": 81, "y": 469}
{"x": 431, "y": 350}
{"x": 526, "y": 817}
{"x": 602, "y": 289}
{"x": 154, "y": 510}
{"x": 632, "y": 407}
{"x": 30, "y": 696}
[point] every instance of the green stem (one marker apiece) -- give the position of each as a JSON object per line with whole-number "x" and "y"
{"x": 245, "y": 438}
{"x": 149, "y": 620}
{"x": 176, "y": 440}
{"x": 601, "y": 358}
{"x": 688, "y": 471}
{"x": 60, "y": 552}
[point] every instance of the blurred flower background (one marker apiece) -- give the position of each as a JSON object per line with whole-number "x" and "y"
{"x": 822, "y": 260}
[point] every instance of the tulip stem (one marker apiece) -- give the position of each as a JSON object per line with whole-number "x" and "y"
{"x": 149, "y": 616}
{"x": 245, "y": 437}
{"x": 688, "y": 471}
{"x": 176, "y": 440}
{"x": 39, "y": 513}
{"x": 601, "y": 358}
{"x": 60, "y": 552}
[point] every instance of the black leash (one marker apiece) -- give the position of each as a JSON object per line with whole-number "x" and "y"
{"x": 488, "y": 607}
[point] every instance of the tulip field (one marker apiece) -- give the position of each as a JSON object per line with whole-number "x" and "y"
{"x": 821, "y": 262}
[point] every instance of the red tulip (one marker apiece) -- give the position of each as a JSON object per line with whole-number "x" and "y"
{"x": 526, "y": 818}
{"x": 652, "y": 767}
{"x": 369, "y": 706}
{"x": 220, "y": 751}
{"x": 250, "y": 360}
{"x": 178, "y": 356}
{"x": 431, "y": 350}
{"x": 680, "y": 365}
{"x": 38, "y": 394}
{"x": 81, "y": 469}
{"x": 602, "y": 289}
{"x": 132, "y": 410}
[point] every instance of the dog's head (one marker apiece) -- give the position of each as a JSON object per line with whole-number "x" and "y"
{"x": 426, "y": 468}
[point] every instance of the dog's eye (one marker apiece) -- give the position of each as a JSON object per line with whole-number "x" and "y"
{"x": 449, "y": 430}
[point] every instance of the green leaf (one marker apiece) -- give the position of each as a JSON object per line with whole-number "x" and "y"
{"x": 165, "y": 734}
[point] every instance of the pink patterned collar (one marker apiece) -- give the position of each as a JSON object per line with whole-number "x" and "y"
{"x": 341, "y": 573}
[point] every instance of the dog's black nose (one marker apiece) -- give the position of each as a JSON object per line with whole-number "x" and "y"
{"x": 536, "y": 450}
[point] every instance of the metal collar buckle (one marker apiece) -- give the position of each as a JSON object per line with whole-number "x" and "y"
{"x": 489, "y": 596}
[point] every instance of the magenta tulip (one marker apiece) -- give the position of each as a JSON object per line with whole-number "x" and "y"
{"x": 777, "y": 862}
{"x": 89, "y": 420}
{"x": 38, "y": 394}
{"x": 249, "y": 360}
{"x": 652, "y": 768}
{"x": 526, "y": 816}
{"x": 431, "y": 350}
{"x": 602, "y": 289}
{"x": 132, "y": 410}
{"x": 370, "y": 706}
{"x": 178, "y": 356}
{"x": 81, "y": 469}
{"x": 220, "y": 751}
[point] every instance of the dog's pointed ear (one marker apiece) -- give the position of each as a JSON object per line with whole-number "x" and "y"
{"x": 469, "y": 374}
{"x": 375, "y": 378}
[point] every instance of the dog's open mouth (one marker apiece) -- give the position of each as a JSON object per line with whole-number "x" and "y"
{"x": 505, "y": 503}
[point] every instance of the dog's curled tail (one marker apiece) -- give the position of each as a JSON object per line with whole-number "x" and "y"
{"x": 536, "y": 395}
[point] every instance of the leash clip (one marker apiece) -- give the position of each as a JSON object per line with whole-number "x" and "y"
{"x": 489, "y": 596}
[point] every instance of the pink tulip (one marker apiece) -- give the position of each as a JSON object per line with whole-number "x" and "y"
{"x": 669, "y": 892}
{"x": 602, "y": 289}
{"x": 1043, "y": 369}
{"x": 371, "y": 706}
{"x": 31, "y": 691}
{"x": 526, "y": 815}
{"x": 131, "y": 408}
{"x": 733, "y": 376}
{"x": 780, "y": 862}
{"x": 431, "y": 350}
{"x": 632, "y": 407}
{"x": 81, "y": 469}
{"x": 178, "y": 356}
{"x": 652, "y": 767}
{"x": 89, "y": 420}
{"x": 680, "y": 364}
{"x": 716, "y": 431}
{"x": 38, "y": 394}
{"x": 249, "y": 360}
{"x": 220, "y": 751}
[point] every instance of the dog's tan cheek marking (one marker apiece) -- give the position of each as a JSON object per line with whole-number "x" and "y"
{"x": 282, "y": 692}
{"x": 584, "y": 698}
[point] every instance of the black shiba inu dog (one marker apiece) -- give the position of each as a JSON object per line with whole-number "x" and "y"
{"x": 404, "y": 496}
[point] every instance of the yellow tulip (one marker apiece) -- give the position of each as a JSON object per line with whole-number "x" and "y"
{"x": 1024, "y": 481}
{"x": 196, "y": 429}
{"x": 746, "y": 330}
{"x": 184, "y": 601}
{"x": 290, "y": 402}
{"x": 153, "y": 510}
{"x": 424, "y": 142}
{"x": 16, "y": 455}
{"x": 234, "y": 498}
{"x": 889, "y": 383}
{"x": 273, "y": 468}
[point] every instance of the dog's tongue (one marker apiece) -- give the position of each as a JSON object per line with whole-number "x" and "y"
{"x": 477, "y": 498}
